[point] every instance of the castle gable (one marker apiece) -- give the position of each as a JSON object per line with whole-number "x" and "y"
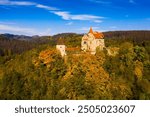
{"x": 85, "y": 37}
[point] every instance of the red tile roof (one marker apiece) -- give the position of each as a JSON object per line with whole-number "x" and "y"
{"x": 97, "y": 35}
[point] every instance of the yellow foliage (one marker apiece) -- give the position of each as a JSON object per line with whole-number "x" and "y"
{"x": 112, "y": 51}
{"x": 138, "y": 71}
{"x": 121, "y": 90}
{"x": 36, "y": 62}
{"x": 89, "y": 67}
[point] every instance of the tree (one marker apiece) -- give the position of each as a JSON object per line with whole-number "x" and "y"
{"x": 12, "y": 86}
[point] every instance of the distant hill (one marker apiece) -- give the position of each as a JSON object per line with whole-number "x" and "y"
{"x": 138, "y": 35}
{"x": 63, "y": 35}
{"x": 18, "y": 37}
{"x": 143, "y": 34}
{"x": 16, "y": 44}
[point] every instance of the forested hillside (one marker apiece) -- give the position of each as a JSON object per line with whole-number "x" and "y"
{"x": 34, "y": 69}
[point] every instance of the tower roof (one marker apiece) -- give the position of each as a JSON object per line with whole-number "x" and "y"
{"x": 91, "y": 30}
{"x": 97, "y": 35}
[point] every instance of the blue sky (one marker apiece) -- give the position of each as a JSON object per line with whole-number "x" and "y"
{"x": 49, "y": 17}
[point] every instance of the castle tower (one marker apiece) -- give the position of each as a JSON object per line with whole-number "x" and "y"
{"x": 61, "y": 49}
{"x": 92, "y": 40}
{"x": 91, "y": 30}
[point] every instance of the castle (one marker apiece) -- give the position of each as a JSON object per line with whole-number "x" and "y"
{"x": 92, "y": 41}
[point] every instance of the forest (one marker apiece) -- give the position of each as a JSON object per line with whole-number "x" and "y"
{"x": 32, "y": 69}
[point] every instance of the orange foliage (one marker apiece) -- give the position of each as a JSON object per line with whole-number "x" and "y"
{"x": 45, "y": 57}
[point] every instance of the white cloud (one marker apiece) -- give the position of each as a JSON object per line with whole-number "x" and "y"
{"x": 69, "y": 23}
{"x": 25, "y": 3}
{"x": 68, "y": 16}
{"x": 98, "y": 21}
{"x": 64, "y": 15}
{"x": 22, "y": 30}
{"x": 46, "y": 7}
{"x": 16, "y": 29}
{"x": 19, "y": 3}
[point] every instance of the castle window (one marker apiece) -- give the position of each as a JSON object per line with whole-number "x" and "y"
{"x": 84, "y": 42}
